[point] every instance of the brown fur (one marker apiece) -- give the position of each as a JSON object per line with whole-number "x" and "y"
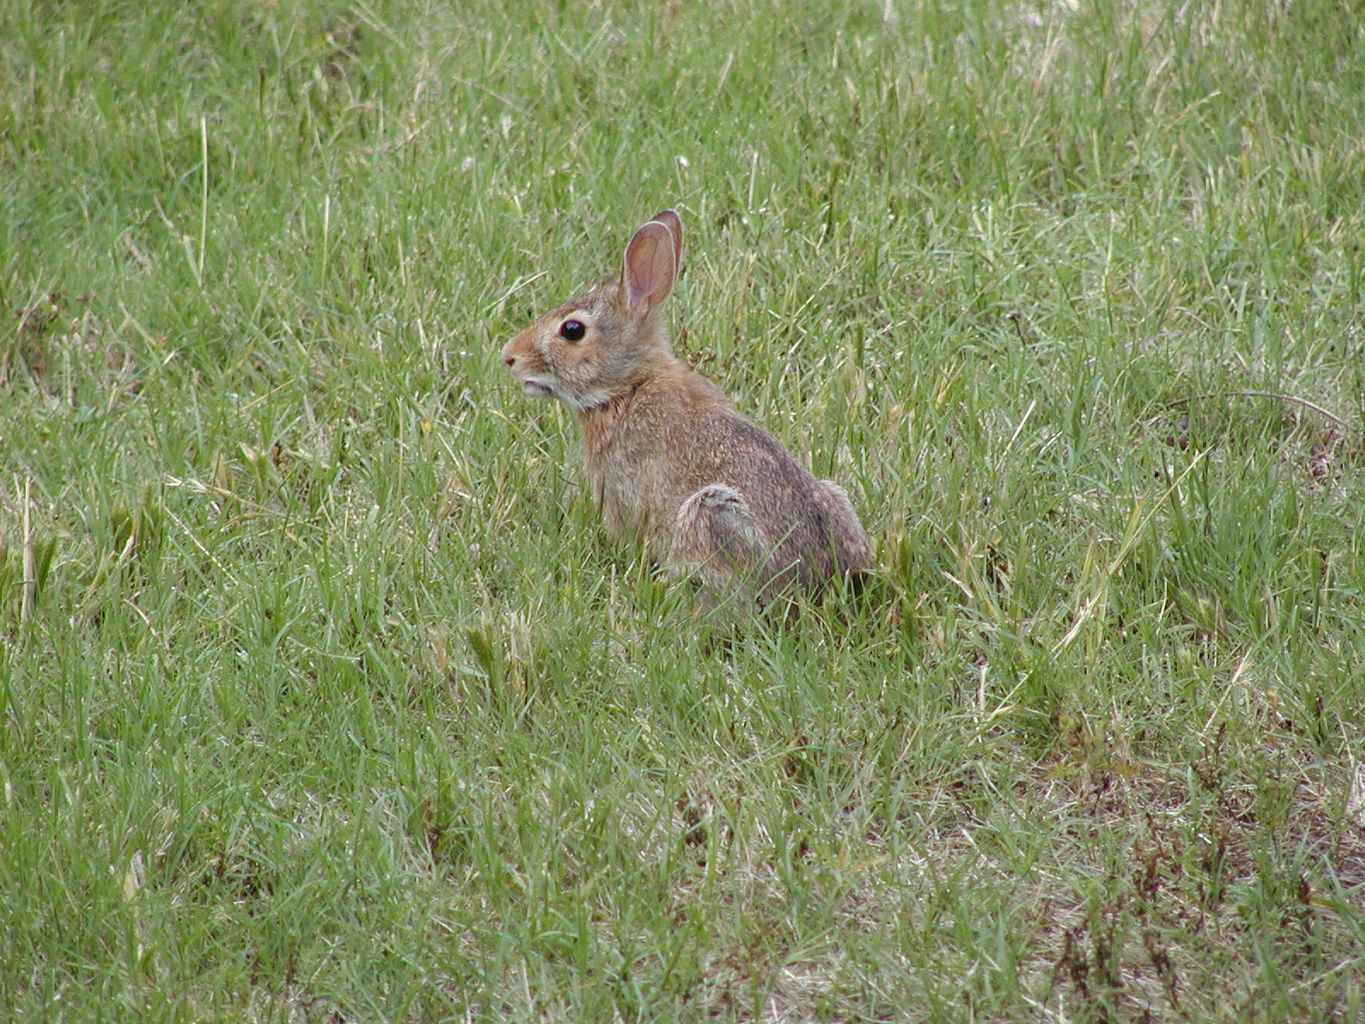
{"x": 669, "y": 458}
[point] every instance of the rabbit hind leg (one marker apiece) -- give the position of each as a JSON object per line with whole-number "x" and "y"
{"x": 717, "y": 539}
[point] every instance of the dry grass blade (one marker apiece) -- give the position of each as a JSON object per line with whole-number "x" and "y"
{"x": 1279, "y": 396}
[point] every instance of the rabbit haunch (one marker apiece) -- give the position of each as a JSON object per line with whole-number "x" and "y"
{"x": 669, "y": 458}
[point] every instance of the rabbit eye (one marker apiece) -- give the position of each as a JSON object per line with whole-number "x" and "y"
{"x": 572, "y": 330}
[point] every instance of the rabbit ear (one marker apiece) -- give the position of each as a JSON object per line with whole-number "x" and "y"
{"x": 671, "y": 220}
{"x": 650, "y": 267}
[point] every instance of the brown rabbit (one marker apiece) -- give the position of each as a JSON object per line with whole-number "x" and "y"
{"x": 669, "y": 458}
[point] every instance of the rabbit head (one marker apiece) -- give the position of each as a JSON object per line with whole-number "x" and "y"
{"x": 598, "y": 346}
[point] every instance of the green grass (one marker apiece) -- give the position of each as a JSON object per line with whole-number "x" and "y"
{"x": 332, "y": 702}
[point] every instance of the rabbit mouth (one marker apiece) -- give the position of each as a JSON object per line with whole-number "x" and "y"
{"x": 536, "y": 389}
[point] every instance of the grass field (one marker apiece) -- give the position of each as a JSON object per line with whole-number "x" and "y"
{"x": 325, "y": 697}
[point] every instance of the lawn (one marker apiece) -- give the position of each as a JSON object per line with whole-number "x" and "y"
{"x": 327, "y": 699}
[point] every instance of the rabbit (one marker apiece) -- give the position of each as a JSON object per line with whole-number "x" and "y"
{"x": 669, "y": 459}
